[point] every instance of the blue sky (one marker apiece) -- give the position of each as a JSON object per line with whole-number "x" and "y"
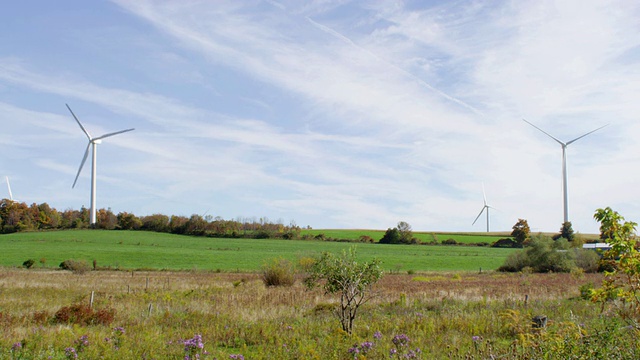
{"x": 333, "y": 114}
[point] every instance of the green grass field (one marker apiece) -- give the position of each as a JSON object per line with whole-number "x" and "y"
{"x": 426, "y": 237}
{"x": 149, "y": 250}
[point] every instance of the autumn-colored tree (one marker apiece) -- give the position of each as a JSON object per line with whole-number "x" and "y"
{"x": 521, "y": 231}
{"x": 621, "y": 286}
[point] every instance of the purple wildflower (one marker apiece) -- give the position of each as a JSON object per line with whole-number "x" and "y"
{"x": 377, "y": 335}
{"x": 476, "y": 338}
{"x": 354, "y": 350}
{"x": 366, "y": 346}
{"x": 17, "y": 346}
{"x": 82, "y": 342}
{"x": 400, "y": 340}
{"x": 70, "y": 353}
{"x": 236, "y": 357}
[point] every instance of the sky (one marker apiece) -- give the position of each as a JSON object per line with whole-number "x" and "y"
{"x": 329, "y": 114}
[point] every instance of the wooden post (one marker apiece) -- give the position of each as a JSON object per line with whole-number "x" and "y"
{"x": 91, "y": 301}
{"x": 150, "y": 308}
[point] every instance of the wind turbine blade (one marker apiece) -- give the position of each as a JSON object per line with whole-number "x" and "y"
{"x": 546, "y": 133}
{"x": 478, "y": 217}
{"x": 9, "y": 187}
{"x": 590, "y": 132}
{"x": 113, "y": 133}
{"x": 86, "y": 154}
{"x": 484, "y": 195}
{"x": 79, "y": 123}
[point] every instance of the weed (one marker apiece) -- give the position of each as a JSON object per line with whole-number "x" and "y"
{"x": 278, "y": 272}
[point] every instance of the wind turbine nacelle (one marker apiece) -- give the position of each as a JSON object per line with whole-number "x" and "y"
{"x": 97, "y": 142}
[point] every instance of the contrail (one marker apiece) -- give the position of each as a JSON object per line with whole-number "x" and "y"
{"x": 407, "y": 73}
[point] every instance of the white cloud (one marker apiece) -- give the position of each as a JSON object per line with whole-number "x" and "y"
{"x": 348, "y": 114}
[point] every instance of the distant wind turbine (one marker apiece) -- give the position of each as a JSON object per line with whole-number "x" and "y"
{"x": 564, "y": 163}
{"x": 486, "y": 208}
{"x": 93, "y": 143}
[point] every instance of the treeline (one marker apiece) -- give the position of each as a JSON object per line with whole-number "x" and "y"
{"x": 15, "y": 217}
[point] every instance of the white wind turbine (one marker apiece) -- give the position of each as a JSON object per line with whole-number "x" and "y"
{"x": 564, "y": 163}
{"x": 486, "y": 208}
{"x": 93, "y": 143}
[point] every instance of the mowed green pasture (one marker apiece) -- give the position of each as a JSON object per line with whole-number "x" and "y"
{"x": 425, "y": 237}
{"x": 159, "y": 251}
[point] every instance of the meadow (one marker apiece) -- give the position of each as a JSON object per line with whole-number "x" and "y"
{"x": 432, "y": 303}
{"x": 425, "y": 237}
{"x": 189, "y": 315}
{"x": 162, "y": 251}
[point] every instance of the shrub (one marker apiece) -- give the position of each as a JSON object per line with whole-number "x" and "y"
{"x": 516, "y": 261}
{"x": 346, "y": 276}
{"x": 586, "y": 291}
{"x": 506, "y": 243}
{"x": 587, "y": 260}
{"x": 391, "y": 236}
{"x": 449, "y": 241}
{"x": 77, "y": 266}
{"x": 278, "y": 272}
{"x": 83, "y": 315}
{"x": 543, "y": 255}
{"x": 28, "y": 263}
{"x": 624, "y": 257}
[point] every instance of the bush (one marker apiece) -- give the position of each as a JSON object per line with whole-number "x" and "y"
{"x": 29, "y": 263}
{"x": 543, "y": 255}
{"x": 516, "y": 261}
{"x": 449, "y": 241}
{"x": 506, "y": 243}
{"x": 77, "y": 266}
{"x": 587, "y": 260}
{"x": 83, "y": 315}
{"x": 278, "y": 272}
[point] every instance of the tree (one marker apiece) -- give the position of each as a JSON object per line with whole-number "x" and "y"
{"x": 400, "y": 234}
{"x": 621, "y": 286}
{"x": 127, "y": 221}
{"x": 521, "y": 231}
{"x": 406, "y": 235}
{"x": 567, "y": 231}
{"x": 391, "y": 236}
{"x": 346, "y": 276}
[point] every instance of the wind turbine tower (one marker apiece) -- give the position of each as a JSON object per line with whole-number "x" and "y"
{"x": 486, "y": 208}
{"x": 93, "y": 144}
{"x": 564, "y": 163}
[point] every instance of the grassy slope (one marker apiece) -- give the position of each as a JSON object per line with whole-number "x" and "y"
{"x": 427, "y": 237}
{"x": 139, "y": 249}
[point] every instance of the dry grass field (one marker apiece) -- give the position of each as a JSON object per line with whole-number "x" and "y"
{"x": 157, "y": 315}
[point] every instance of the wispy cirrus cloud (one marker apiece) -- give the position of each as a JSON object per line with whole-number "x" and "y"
{"x": 349, "y": 114}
